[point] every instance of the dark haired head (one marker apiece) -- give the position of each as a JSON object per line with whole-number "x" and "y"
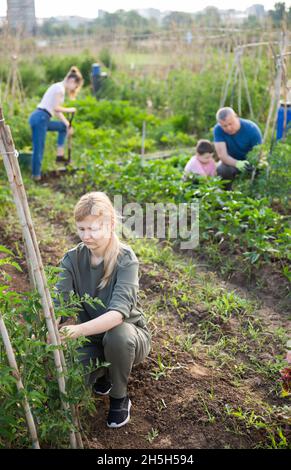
{"x": 75, "y": 76}
{"x": 204, "y": 146}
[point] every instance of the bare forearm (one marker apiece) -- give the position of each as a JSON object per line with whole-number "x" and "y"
{"x": 223, "y": 155}
{"x": 61, "y": 109}
{"x": 105, "y": 322}
{"x": 228, "y": 160}
{"x": 62, "y": 118}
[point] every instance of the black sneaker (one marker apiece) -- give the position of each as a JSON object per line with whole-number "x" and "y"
{"x": 102, "y": 386}
{"x": 119, "y": 412}
{"x": 61, "y": 159}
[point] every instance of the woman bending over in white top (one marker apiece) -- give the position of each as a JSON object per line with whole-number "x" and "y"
{"x": 52, "y": 105}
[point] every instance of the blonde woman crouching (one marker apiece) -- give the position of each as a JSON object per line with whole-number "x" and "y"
{"x": 105, "y": 268}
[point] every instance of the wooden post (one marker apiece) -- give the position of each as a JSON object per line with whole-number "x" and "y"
{"x": 239, "y": 94}
{"x": 275, "y": 102}
{"x": 29, "y": 268}
{"x": 14, "y": 176}
{"x": 13, "y": 364}
{"x": 14, "y": 90}
{"x": 237, "y": 65}
{"x": 246, "y": 89}
{"x": 143, "y": 141}
{"x": 235, "y": 79}
{"x": 225, "y": 90}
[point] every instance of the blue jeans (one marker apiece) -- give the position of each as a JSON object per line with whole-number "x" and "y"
{"x": 40, "y": 123}
{"x": 280, "y": 121}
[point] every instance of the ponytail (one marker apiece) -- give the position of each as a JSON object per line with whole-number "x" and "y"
{"x": 75, "y": 74}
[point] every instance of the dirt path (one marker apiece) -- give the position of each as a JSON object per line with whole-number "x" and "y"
{"x": 167, "y": 412}
{"x": 188, "y": 393}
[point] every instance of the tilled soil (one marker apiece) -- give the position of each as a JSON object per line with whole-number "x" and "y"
{"x": 185, "y": 405}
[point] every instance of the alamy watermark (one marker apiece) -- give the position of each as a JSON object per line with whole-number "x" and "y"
{"x": 159, "y": 220}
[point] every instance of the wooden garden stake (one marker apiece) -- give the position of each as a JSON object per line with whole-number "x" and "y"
{"x": 275, "y": 102}
{"x": 34, "y": 258}
{"x": 237, "y": 67}
{"x": 19, "y": 384}
{"x": 143, "y": 137}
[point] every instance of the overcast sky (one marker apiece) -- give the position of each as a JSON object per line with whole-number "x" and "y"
{"x": 89, "y": 8}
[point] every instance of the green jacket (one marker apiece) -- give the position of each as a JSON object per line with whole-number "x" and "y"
{"x": 119, "y": 294}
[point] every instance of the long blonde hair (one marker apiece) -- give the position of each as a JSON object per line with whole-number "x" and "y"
{"x": 98, "y": 204}
{"x": 75, "y": 73}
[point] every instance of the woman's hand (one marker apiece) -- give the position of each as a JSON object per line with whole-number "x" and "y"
{"x": 70, "y": 331}
{"x": 71, "y": 110}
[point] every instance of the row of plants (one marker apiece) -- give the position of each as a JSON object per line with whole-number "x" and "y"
{"x": 116, "y": 128}
{"x": 22, "y": 314}
{"x": 233, "y": 221}
{"x": 222, "y": 308}
{"x": 240, "y": 222}
{"x": 182, "y": 91}
{"x": 109, "y": 131}
{"x": 208, "y": 333}
{"x": 275, "y": 164}
{"x": 109, "y": 128}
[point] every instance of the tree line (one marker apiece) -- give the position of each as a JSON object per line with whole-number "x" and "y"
{"x": 132, "y": 22}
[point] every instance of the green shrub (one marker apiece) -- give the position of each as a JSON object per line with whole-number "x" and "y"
{"x": 56, "y": 68}
{"x": 106, "y": 58}
{"x": 27, "y": 330}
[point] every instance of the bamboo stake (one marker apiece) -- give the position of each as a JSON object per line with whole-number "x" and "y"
{"x": 30, "y": 268}
{"x": 246, "y": 89}
{"x": 38, "y": 265}
{"x": 236, "y": 63}
{"x": 231, "y": 100}
{"x": 272, "y": 104}
{"x": 143, "y": 142}
{"x": 256, "y": 44}
{"x": 13, "y": 364}
{"x": 275, "y": 102}
{"x": 239, "y": 94}
{"x": 284, "y": 80}
{"x": 284, "y": 53}
{"x": 258, "y": 62}
{"x": 225, "y": 91}
{"x": 14, "y": 177}
{"x": 39, "y": 282}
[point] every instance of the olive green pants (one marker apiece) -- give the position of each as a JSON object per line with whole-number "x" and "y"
{"x": 122, "y": 347}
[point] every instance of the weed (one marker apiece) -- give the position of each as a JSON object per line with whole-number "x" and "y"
{"x": 152, "y": 435}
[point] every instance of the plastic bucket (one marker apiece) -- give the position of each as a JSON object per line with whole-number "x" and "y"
{"x": 280, "y": 121}
{"x": 96, "y": 70}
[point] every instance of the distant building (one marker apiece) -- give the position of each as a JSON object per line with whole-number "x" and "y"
{"x": 21, "y": 15}
{"x": 3, "y": 21}
{"x": 72, "y": 21}
{"x": 102, "y": 14}
{"x": 233, "y": 16}
{"x": 256, "y": 10}
{"x": 149, "y": 13}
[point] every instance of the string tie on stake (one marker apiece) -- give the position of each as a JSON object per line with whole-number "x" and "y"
{"x": 14, "y": 152}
